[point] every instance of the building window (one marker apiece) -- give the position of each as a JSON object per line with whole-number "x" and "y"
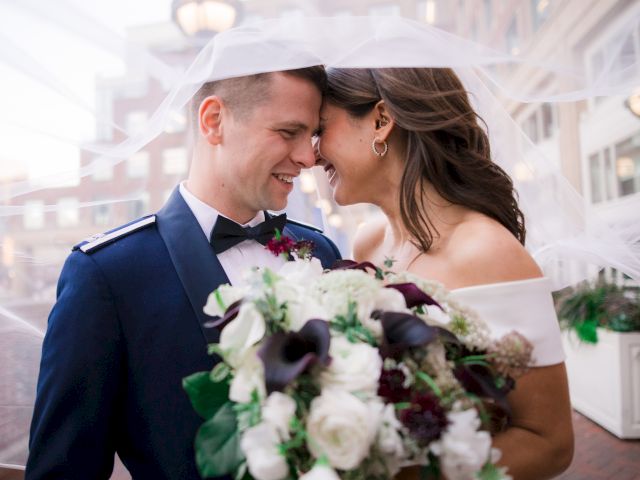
{"x": 548, "y": 120}
{"x": 174, "y": 161}
{"x": 138, "y": 165}
{"x": 615, "y": 170}
{"x": 139, "y": 207}
{"x": 33, "y": 218}
{"x": 102, "y": 214}
{"x": 67, "y": 211}
{"x": 541, "y": 124}
{"x": 530, "y": 127}
{"x": 136, "y": 122}
{"x": 609, "y": 177}
{"x": 103, "y": 170}
{"x": 628, "y": 166}
{"x": 595, "y": 170}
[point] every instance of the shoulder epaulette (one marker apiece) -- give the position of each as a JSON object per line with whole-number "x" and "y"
{"x": 305, "y": 225}
{"x": 100, "y": 240}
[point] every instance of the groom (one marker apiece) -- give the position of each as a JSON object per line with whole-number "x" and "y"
{"x": 128, "y": 323}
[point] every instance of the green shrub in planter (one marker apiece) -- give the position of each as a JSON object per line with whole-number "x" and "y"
{"x": 605, "y": 305}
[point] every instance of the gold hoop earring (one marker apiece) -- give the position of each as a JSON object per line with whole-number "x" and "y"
{"x": 385, "y": 147}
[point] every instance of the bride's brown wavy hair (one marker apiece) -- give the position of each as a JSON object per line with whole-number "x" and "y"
{"x": 446, "y": 144}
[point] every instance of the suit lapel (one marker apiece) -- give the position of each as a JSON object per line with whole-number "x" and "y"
{"x": 287, "y": 231}
{"x": 195, "y": 262}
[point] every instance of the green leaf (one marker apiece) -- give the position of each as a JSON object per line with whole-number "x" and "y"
{"x": 220, "y": 372}
{"x": 490, "y": 472}
{"x": 206, "y": 396}
{"x": 429, "y": 381}
{"x": 587, "y": 331}
{"x": 218, "y": 444}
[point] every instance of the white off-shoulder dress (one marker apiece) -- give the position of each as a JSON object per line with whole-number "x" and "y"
{"x": 525, "y": 306}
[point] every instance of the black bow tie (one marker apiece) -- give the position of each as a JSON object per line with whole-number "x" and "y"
{"x": 227, "y": 233}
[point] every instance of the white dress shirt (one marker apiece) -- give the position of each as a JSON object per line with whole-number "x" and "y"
{"x": 240, "y": 257}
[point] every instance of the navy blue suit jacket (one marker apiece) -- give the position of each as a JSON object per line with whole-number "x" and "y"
{"x": 127, "y": 326}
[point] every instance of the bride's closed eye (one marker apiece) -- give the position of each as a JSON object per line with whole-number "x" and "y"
{"x": 318, "y": 133}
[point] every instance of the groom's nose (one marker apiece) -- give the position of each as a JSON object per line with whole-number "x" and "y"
{"x": 304, "y": 155}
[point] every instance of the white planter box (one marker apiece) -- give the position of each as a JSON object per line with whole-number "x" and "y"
{"x": 604, "y": 380}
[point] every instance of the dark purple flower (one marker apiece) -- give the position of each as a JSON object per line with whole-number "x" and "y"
{"x": 413, "y": 295}
{"x": 391, "y": 386}
{"x": 304, "y": 248}
{"x": 352, "y": 265}
{"x": 483, "y": 382}
{"x": 287, "y": 355}
{"x": 230, "y": 313}
{"x": 425, "y": 418}
{"x": 402, "y": 331}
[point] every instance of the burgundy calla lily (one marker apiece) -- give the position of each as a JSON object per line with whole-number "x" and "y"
{"x": 413, "y": 295}
{"x": 287, "y": 355}
{"x": 230, "y": 313}
{"x": 353, "y": 265}
{"x": 402, "y": 331}
{"x": 481, "y": 380}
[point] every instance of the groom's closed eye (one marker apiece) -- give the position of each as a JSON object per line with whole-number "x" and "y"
{"x": 290, "y": 130}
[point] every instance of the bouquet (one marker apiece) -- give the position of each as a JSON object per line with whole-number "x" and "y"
{"x": 349, "y": 373}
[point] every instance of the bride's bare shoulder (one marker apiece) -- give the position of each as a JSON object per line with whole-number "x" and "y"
{"x": 483, "y": 251}
{"x": 368, "y": 238}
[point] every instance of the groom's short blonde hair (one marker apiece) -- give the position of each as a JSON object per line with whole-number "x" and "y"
{"x": 241, "y": 94}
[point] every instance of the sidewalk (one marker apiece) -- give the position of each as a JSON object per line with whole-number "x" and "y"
{"x": 601, "y": 455}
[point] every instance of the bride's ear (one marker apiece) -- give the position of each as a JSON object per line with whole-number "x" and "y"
{"x": 384, "y": 122}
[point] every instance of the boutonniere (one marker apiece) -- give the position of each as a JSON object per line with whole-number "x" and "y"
{"x": 290, "y": 249}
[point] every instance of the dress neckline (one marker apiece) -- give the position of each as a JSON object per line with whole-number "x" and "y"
{"x": 542, "y": 281}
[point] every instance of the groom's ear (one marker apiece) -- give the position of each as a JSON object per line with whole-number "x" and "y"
{"x": 210, "y": 116}
{"x": 384, "y": 122}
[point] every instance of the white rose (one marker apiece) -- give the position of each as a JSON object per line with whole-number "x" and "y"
{"x": 278, "y": 411}
{"x": 342, "y": 427}
{"x": 334, "y": 290}
{"x": 301, "y": 272}
{"x": 300, "y": 306}
{"x": 241, "y": 333}
{"x": 248, "y": 377}
{"x": 303, "y": 309}
{"x": 221, "y": 298}
{"x": 260, "y": 447}
{"x": 320, "y": 472}
{"x": 389, "y": 440}
{"x": 354, "y": 367}
{"x": 463, "y": 450}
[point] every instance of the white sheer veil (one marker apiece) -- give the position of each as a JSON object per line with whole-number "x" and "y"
{"x": 564, "y": 233}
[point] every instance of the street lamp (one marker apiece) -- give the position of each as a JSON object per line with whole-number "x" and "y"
{"x": 633, "y": 103}
{"x": 204, "y": 18}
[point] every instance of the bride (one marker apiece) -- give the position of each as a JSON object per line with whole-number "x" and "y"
{"x": 408, "y": 141}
